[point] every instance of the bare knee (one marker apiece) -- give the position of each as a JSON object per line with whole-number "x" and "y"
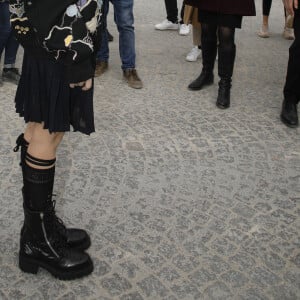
{"x": 43, "y": 144}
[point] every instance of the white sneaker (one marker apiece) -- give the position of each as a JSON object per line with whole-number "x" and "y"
{"x": 194, "y": 54}
{"x": 184, "y": 29}
{"x": 166, "y": 25}
{"x": 288, "y": 33}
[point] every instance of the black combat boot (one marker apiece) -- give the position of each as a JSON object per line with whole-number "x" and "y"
{"x": 42, "y": 246}
{"x": 75, "y": 238}
{"x": 225, "y": 71}
{"x": 209, "y": 53}
{"x": 43, "y": 241}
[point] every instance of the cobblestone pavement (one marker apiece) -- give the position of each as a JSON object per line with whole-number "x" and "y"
{"x": 182, "y": 200}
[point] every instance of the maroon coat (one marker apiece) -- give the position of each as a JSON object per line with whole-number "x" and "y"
{"x": 231, "y": 7}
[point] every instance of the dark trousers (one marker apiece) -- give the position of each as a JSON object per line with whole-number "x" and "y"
{"x": 7, "y": 39}
{"x": 172, "y": 11}
{"x": 292, "y": 84}
{"x": 267, "y": 7}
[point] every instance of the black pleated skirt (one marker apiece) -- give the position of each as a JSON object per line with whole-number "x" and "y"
{"x": 44, "y": 96}
{"x": 231, "y": 21}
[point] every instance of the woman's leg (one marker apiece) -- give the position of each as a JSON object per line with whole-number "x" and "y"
{"x": 209, "y": 52}
{"x": 264, "y": 31}
{"x": 288, "y": 31}
{"x": 45, "y": 241}
{"x": 226, "y": 54}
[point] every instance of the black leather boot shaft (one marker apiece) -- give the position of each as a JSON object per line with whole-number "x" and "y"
{"x": 37, "y": 195}
{"x": 41, "y": 245}
{"x": 209, "y": 53}
{"x": 225, "y": 71}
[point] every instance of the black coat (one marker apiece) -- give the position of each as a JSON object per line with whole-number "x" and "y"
{"x": 232, "y": 7}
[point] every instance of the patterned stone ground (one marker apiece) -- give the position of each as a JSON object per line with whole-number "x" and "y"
{"x": 182, "y": 200}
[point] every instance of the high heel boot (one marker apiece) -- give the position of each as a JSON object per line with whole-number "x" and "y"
{"x": 75, "y": 238}
{"x": 225, "y": 71}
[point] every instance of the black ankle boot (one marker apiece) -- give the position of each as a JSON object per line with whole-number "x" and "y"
{"x": 204, "y": 79}
{"x": 289, "y": 114}
{"x": 223, "y": 100}
{"x": 38, "y": 194}
{"x": 225, "y": 71}
{"x": 41, "y": 245}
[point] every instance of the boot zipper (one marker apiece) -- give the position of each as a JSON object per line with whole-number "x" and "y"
{"x": 45, "y": 236}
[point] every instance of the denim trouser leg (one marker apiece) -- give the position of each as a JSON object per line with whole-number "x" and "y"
{"x": 7, "y": 39}
{"x": 103, "y": 53}
{"x": 123, "y": 15}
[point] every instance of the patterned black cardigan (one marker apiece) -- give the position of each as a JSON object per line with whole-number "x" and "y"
{"x": 60, "y": 29}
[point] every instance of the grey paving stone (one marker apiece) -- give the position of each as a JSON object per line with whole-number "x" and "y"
{"x": 185, "y": 290}
{"x": 284, "y": 292}
{"x": 253, "y": 294}
{"x": 132, "y": 296}
{"x": 116, "y": 285}
{"x": 218, "y": 291}
{"x": 202, "y": 277}
{"x": 235, "y": 279}
{"x": 264, "y": 278}
{"x": 152, "y": 287}
{"x": 168, "y": 274}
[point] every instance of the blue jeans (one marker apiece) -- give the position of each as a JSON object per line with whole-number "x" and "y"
{"x": 7, "y": 39}
{"x": 123, "y": 17}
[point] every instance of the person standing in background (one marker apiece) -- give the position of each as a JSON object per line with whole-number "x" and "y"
{"x": 9, "y": 44}
{"x": 124, "y": 19}
{"x": 220, "y": 18}
{"x": 191, "y": 17}
{"x": 171, "y": 22}
{"x": 289, "y": 114}
{"x": 288, "y": 32}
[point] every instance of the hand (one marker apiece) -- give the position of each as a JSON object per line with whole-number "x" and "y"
{"x": 85, "y": 85}
{"x": 290, "y": 5}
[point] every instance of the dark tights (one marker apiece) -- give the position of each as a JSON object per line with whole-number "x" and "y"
{"x": 267, "y": 7}
{"x": 222, "y": 38}
{"x": 225, "y": 36}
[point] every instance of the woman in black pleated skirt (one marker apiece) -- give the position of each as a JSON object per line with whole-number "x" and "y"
{"x": 55, "y": 94}
{"x": 220, "y": 19}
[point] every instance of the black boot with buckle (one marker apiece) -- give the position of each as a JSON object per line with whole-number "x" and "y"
{"x": 75, "y": 238}
{"x": 43, "y": 242}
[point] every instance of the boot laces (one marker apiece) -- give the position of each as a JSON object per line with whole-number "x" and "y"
{"x": 57, "y": 228}
{"x": 19, "y": 142}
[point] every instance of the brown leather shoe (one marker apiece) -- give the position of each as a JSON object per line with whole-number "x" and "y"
{"x": 132, "y": 78}
{"x": 101, "y": 67}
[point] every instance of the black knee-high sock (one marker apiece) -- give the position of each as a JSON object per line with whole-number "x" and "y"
{"x": 38, "y": 183}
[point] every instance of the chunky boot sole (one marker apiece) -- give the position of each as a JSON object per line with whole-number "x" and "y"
{"x": 30, "y": 265}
